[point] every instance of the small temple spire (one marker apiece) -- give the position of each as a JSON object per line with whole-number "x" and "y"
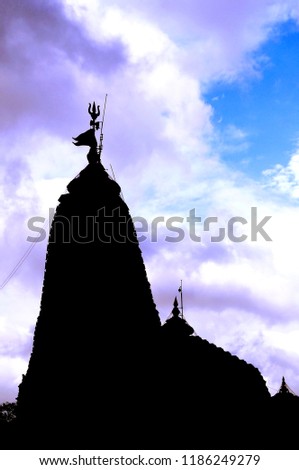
{"x": 283, "y": 387}
{"x": 175, "y": 311}
{"x": 176, "y": 326}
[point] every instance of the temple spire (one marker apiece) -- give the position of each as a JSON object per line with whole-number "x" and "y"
{"x": 285, "y": 389}
{"x": 175, "y": 311}
{"x": 176, "y": 326}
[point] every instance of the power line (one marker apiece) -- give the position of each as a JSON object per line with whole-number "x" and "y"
{"x": 19, "y": 263}
{"x": 113, "y": 175}
{"x": 17, "y": 266}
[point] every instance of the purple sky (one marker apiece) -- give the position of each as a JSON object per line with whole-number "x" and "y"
{"x": 157, "y": 61}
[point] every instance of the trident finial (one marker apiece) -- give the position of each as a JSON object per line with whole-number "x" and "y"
{"x": 88, "y": 138}
{"x": 94, "y": 112}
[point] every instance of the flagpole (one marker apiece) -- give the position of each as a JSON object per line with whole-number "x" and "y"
{"x": 181, "y": 291}
{"x": 102, "y": 125}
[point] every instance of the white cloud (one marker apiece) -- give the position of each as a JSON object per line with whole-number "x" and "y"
{"x": 285, "y": 179}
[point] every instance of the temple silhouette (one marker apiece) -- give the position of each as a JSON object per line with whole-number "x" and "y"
{"x": 104, "y": 372}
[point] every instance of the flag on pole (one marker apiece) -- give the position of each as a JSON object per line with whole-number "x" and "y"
{"x": 86, "y": 138}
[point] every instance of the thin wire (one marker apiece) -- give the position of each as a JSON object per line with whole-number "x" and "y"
{"x": 113, "y": 175}
{"x": 20, "y": 262}
{"x": 24, "y": 257}
{"x": 17, "y": 266}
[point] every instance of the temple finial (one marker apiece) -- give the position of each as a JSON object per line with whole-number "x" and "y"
{"x": 175, "y": 310}
{"x": 88, "y": 138}
{"x": 284, "y": 388}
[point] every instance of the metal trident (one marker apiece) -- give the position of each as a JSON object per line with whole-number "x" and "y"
{"x": 94, "y": 112}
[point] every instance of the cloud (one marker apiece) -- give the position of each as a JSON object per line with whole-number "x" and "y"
{"x": 39, "y": 81}
{"x": 15, "y": 339}
{"x": 284, "y": 179}
{"x": 10, "y": 378}
{"x": 217, "y": 39}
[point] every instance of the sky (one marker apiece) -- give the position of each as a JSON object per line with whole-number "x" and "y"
{"x": 201, "y": 122}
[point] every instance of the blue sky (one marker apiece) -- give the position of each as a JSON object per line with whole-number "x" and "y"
{"x": 202, "y": 114}
{"x": 263, "y": 107}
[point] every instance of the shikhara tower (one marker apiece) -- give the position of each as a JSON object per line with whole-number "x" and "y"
{"x": 89, "y": 360}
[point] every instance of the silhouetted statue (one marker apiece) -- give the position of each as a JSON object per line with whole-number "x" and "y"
{"x": 88, "y": 137}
